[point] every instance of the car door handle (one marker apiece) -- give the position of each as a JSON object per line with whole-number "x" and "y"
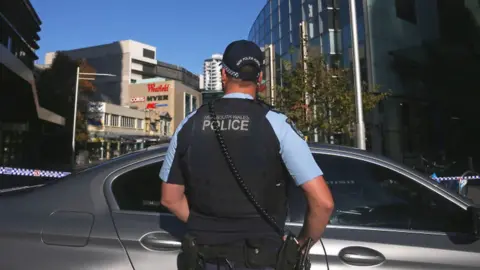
{"x": 361, "y": 256}
{"x": 160, "y": 241}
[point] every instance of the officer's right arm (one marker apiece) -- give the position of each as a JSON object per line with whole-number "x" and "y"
{"x": 173, "y": 189}
{"x": 300, "y": 163}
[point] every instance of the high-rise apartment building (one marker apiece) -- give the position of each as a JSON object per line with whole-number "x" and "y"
{"x": 212, "y": 77}
{"x": 201, "y": 82}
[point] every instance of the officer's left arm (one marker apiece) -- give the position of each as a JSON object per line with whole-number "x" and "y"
{"x": 307, "y": 174}
{"x": 173, "y": 186}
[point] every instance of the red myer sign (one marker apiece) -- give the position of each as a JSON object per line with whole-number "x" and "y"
{"x": 150, "y": 105}
{"x": 160, "y": 88}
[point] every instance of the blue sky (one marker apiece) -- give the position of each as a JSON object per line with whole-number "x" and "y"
{"x": 185, "y": 32}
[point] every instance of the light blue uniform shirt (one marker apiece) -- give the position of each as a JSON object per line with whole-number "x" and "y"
{"x": 294, "y": 150}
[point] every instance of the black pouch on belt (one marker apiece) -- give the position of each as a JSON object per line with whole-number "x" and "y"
{"x": 288, "y": 254}
{"x": 189, "y": 258}
{"x": 258, "y": 254}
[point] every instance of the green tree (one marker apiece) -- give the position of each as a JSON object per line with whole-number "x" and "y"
{"x": 56, "y": 90}
{"x": 317, "y": 96}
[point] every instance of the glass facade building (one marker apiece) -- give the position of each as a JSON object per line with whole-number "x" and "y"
{"x": 400, "y": 43}
{"x": 327, "y": 29}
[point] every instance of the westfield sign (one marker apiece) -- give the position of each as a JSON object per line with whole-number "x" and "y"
{"x": 160, "y": 88}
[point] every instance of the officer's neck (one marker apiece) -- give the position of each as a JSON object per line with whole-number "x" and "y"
{"x": 251, "y": 91}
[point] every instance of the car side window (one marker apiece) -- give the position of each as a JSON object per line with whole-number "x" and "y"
{"x": 139, "y": 189}
{"x": 369, "y": 195}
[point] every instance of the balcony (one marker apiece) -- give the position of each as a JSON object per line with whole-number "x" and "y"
{"x": 19, "y": 16}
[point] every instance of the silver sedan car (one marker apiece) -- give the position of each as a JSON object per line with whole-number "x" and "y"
{"x": 109, "y": 217}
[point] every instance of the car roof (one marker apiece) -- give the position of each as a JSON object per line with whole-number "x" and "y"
{"x": 157, "y": 151}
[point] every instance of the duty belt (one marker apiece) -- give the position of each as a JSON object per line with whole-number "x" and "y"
{"x": 239, "y": 254}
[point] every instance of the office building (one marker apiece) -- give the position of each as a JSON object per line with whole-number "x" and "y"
{"x": 268, "y": 86}
{"x": 212, "y": 76}
{"x": 277, "y": 30}
{"x": 26, "y": 127}
{"x": 390, "y": 34}
{"x": 130, "y": 61}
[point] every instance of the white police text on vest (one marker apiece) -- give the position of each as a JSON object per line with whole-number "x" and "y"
{"x": 228, "y": 122}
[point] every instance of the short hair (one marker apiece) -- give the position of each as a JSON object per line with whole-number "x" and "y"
{"x": 242, "y": 83}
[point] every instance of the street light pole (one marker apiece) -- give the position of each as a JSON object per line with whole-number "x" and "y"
{"x": 360, "y": 132}
{"x": 75, "y": 115}
{"x": 75, "y": 103}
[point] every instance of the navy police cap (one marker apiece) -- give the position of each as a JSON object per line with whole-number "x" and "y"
{"x": 242, "y": 53}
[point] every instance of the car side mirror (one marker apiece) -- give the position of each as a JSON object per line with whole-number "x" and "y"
{"x": 474, "y": 212}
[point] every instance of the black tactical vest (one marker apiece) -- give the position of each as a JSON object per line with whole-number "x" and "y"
{"x": 219, "y": 210}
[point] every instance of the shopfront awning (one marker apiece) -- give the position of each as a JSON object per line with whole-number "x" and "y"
{"x": 109, "y": 136}
{"x": 165, "y": 115}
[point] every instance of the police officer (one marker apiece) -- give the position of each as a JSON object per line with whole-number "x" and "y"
{"x": 223, "y": 225}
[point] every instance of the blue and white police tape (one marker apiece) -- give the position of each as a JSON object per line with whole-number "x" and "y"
{"x": 32, "y": 172}
{"x": 454, "y": 178}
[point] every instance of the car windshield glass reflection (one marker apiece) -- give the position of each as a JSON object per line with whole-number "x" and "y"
{"x": 369, "y": 195}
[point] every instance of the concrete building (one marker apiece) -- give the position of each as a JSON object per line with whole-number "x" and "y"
{"x": 25, "y": 125}
{"x": 130, "y": 61}
{"x": 212, "y": 76}
{"x": 171, "y": 98}
{"x": 201, "y": 82}
{"x": 115, "y": 130}
{"x": 173, "y": 72}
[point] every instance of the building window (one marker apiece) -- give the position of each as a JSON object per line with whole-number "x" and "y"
{"x": 128, "y": 122}
{"x": 148, "y": 53}
{"x": 167, "y": 128}
{"x": 106, "y": 120}
{"x": 133, "y": 81}
{"x": 331, "y": 19}
{"x": 405, "y": 10}
{"x": 149, "y": 68}
{"x": 331, "y": 4}
{"x": 140, "y": 123}
{"x": 188, "y": 107}
{"x": 194, "y": 103}
{"x": 114, "y": 120}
